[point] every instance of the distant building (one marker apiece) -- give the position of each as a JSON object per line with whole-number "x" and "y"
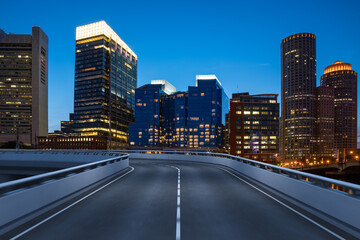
{"x": 344, "y": 81}
{"x": 254, "y": 126}
{"x": 23, "y": 86}
{"x": 178, "y": 126}
{"x": 192, "y": 119}
{"x": 324, "y": 123}
{"x": 298, "y": 83}
{"x": 207, "y": 106}
{"x": 226, "y": 135}
{"x": 105, "y": 82}
{"x": 147, "y": 129}
{"x": 68, "y": 126}
{"x": 59, "y": 140}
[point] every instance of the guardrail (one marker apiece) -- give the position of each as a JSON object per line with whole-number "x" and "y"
{"x": 24, "y": 199}
{"x": 349, "y": 188}
{"x": 11, "y": 186}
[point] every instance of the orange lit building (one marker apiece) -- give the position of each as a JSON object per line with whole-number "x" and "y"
{"x": 343, "y": 79}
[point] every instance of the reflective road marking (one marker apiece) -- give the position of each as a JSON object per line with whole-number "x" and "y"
{"x": 64, "y": 209}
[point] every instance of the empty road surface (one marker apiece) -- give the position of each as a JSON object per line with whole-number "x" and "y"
{"x": 177, "y": 201}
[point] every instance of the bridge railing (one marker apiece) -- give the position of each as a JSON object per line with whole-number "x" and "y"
{"x": 341, "y": 186}
{"x": 28, "y": 182}
{"x": 25, "y": 199}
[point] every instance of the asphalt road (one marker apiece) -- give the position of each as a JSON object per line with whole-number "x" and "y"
{"x": 143, "y": 205}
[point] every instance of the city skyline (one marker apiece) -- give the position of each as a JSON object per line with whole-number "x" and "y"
{"x": 242, "y": 59}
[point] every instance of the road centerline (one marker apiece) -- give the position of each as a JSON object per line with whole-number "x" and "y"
{"x": 178, "y": 220}
{"x": 178, "y": 207}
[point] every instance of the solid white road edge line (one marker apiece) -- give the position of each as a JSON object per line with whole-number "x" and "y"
{"x": 288, "y": 207}
{"x": 64, "y": 209}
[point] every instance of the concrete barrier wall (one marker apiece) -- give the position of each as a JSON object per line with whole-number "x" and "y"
{"x": 338, "y": 205}
{"x": 33, "y": 159}
{"x": 19, "y": 207}
{"x": 55, "y": 155}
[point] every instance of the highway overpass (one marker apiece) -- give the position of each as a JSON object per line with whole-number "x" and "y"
{"x": 178, "y": 195}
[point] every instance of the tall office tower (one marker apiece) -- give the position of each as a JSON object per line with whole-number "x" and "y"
{"x": 148, "y": 129}
{"x": 340, "y": 76}
{"x": 105, "y": 82}
{"x": 207, "y": 106}
{"x": 298, "y": 82}
{"x": 254, "y": 126}
{"x": 324, "y": 123}
{"x": 23, "y": 87}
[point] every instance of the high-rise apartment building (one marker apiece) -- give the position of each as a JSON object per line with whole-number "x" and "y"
{"x": 105, "y": 82}
{"x": 254, "y": 126}
{"x": 343, "y": 79}
{"x": 191, "y": 119}
{"x": 23, "y": 86}
{"x": 298, "y": 82}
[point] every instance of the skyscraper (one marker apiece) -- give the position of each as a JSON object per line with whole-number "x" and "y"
{"x": 254, "y": 126}
{"x": 298, "y": 82}
{"x": 344, "y": 81}
{"x": 23, "y": 86}
{"x": 105, "y": 82}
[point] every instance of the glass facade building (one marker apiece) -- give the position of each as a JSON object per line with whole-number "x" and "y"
{"x": 23, "y": 87}
{"x": 343, "y": 79}
{"x": 207, "y": 106}
{"x": 147, "y": 129}
{"x": 105, "y": 82}
{"x": 191, "y": 119}
{"x": 298, "y": 83}
{"x": 254, "y": 126}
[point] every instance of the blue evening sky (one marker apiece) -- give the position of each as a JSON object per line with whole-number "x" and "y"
{"x": 239, "y": 41}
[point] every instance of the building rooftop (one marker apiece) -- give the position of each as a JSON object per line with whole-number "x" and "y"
{"x": 207, "y": 77}
{"x": 167, "y": 87}
{"x": 337, "y": 66}
{"x": 101, "y": 28}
